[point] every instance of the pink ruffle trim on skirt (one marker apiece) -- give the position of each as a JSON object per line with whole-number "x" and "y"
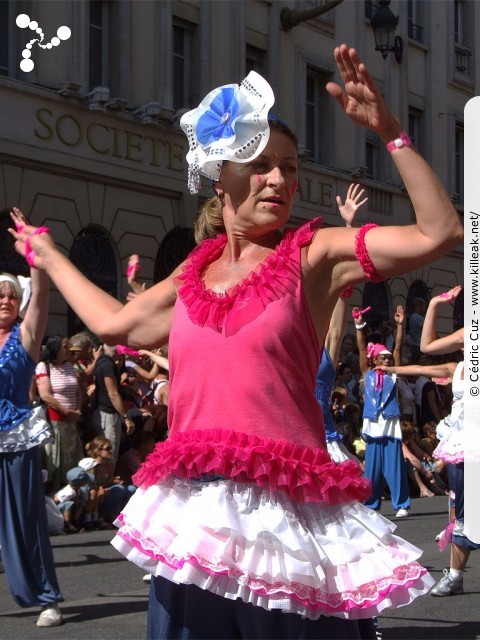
{"x": 305, "y": 474}
{"x": 240, "y": 541}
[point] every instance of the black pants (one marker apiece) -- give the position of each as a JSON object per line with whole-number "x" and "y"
{"x": 187, "y": 612}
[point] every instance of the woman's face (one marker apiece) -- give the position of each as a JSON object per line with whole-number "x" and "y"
{"x": 105, "y": 451}
{"x": 261, "y": 193}
{"x": 383, "y": 359}
{"x": 9, "y": 305}
{"x": 63, "y": 352}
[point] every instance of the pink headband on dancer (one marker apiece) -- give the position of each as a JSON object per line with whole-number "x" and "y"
{"x": 374, "y": 350}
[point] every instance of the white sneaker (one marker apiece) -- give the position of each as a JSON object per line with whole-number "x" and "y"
{"x": 147, "y": 577}
{"x": 439, "y": 535}
{"x": 448, "y": 586}
{"x": 51, "y": 616}
{"x": 402, "y": 513}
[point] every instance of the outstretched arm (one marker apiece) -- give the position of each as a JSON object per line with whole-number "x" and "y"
{"x": 145, "y": 321}
{"x": 34, "y": 324}
{"x": 393, "y": 250}
{"x": 431, "y": 371}
{"x": 429, "y": 342}
{"x": 157, "y": 358}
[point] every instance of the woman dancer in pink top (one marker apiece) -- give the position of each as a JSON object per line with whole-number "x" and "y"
{"x": 249, "y": 528}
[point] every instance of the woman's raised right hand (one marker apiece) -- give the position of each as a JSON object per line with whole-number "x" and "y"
{"x": 30, "y": 240}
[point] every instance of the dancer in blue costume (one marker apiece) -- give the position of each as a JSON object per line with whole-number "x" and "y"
{"x": 26, "y": 552}
{"x": 381, "y": 427}
{"x": 333, "y": 342}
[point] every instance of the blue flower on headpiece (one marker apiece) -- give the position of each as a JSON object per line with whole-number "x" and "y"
{"x": 215, "y": 123}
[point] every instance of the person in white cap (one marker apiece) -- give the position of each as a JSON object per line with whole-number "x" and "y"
{"x": 249, "y": 528}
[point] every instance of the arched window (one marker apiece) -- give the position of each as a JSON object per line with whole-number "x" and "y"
{"x": 93, "y": 254}
{"x": 10, "y": 260}
{"x": 377, "y": 296}
{"x": 173, "y": 250}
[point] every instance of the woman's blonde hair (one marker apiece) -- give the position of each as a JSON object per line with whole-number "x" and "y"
{"x": 210, "y": 220}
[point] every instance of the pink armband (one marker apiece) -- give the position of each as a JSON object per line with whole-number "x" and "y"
{"x": 362, "y": 254}
{"x": 347, "y": 292}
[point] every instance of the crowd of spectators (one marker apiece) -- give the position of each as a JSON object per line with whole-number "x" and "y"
{"x": 108, "y": 407}
{"x": 424, "y": 401}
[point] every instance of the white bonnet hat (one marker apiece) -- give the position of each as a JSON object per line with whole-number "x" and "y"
{"x": 22, "y": 286}
{"x": 231, "y": 123}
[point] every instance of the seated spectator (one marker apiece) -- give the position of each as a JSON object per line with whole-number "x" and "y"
{"x": 72, "y": 498}
{"x": 96, "y": 495}
{"x": 422, "y": 469}
{"x": 429, "y": 441}
{"x": 117, "y": 494}
{"x": 143, "y": 443}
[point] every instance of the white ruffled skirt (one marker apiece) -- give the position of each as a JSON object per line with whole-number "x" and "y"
{"x": 451, "y": 447}
{"x": 32, "y": 432}
{"x": 241, "y": 541}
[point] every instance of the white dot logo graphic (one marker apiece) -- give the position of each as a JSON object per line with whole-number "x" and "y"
{"x": 23, "y": 22}
{"x": 64, "y": 33}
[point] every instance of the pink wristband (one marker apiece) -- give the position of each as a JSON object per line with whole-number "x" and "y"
{"x": 133, "y": 269}
{"x": 29, "y": 252}
{"x": 402, "y": 141}
{"x": 362, "y": 256}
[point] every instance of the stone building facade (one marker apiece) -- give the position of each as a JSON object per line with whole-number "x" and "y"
{"x": 90, "y": 143}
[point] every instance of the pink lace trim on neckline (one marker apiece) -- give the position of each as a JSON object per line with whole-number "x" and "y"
{"x": 275, "y": 277}
{"x": 304, "y": 473}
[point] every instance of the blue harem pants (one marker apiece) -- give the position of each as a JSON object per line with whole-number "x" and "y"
{"x": 384, "y": 459}
{"x": 26, "y": 551}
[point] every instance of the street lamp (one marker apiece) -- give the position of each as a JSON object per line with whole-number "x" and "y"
{"x": 384, "y": 24}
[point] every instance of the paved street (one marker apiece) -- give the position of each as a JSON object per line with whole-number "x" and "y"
{"x": 106, "y": 599}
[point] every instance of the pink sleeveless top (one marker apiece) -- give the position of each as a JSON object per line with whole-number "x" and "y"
{"x": 243, "y": 366}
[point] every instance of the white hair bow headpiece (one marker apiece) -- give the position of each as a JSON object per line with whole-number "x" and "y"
{"x": 231, "y": 123}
